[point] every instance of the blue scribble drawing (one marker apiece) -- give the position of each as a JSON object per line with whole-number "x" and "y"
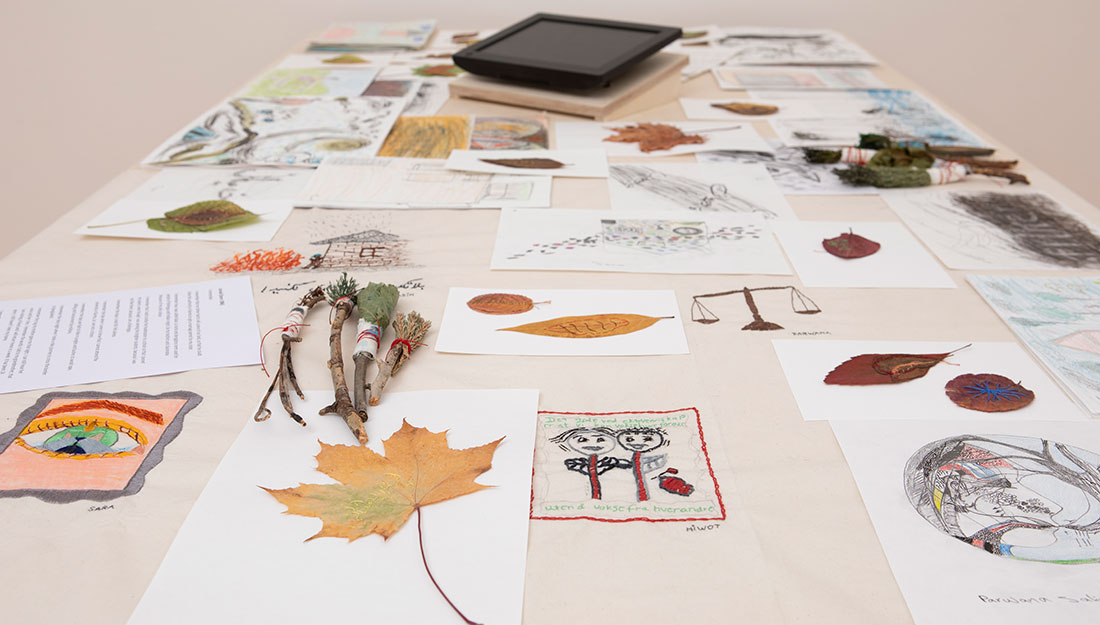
{"x": 1059, "y": 320}
{"x": 992, "y": 391}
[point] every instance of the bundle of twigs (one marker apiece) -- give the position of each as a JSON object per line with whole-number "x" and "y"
{"x": 341, "y": 295}
{"x": 284, "y": 376}
{"x": 410, "y": 330}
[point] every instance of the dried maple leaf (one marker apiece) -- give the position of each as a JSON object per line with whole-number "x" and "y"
{"x": 501, "y": 303}
{"x": 376, "y": 493}
{"x": 652, "y": 137}
{"x": 587, "y": 326}
{"x": 746, "y": 108}
{"x": 988, "y": 392}
{"x": 850, "y": 245}
{"x": 524, "y": 163}
{"x": 884, "y": 368}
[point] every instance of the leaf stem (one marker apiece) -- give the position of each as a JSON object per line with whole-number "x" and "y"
{"x": 424, "y": 558}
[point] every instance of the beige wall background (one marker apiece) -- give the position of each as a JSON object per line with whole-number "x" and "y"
{"x": 92, "y": 87}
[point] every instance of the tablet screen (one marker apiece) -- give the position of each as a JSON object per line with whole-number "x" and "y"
{"x": 568, "y": 43}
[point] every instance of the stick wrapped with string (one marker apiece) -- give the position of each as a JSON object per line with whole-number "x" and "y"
{"x": 377, "y": 302}
{"x": 284, "y": 375}
{"x": 410, "y": 329}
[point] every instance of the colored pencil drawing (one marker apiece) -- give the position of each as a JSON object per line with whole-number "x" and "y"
{"x": 369, "y": 249}
{"x": 1059, "y": 321}
{"x": 624, "y": 466}
{"x": 999, "y": 230}
{"x": 427, "y": 137}
{"x": 313, "y": 82}
{"x": 88, "y": 445}
{"x": 1012, "y": 496}
{"x": 288, "y": 131}
{"x": 509, "y": 133}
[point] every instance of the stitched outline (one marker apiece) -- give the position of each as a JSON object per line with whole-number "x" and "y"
{"x": 706, "y": 454}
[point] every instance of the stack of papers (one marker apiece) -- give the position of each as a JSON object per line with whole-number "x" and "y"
{"x": 351, "y": 36}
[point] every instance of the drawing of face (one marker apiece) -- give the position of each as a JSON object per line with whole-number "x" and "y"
{"x": 591, "y": 442}
{"x": 641, "y": 439}
{"x": 96, "y": 443}
{"x": 1018, "y": 497}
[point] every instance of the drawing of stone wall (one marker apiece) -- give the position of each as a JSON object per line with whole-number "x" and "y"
{"x": 370, "y": 248}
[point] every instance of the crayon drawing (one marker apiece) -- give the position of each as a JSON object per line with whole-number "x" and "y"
{"x": 427, "y": 137}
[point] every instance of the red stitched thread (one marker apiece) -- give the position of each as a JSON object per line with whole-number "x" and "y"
{"x": 408, "y": 346}
{"x": 264, "y": 338}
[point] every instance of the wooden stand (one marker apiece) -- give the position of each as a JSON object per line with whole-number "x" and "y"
{"x": 652, "y": 82}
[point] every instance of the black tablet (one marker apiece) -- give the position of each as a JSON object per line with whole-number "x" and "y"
{"x": 564, "y": 52}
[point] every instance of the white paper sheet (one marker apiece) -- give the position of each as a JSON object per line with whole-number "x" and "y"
{"x": 794, "y": 77}
{"x": 997, "y": 229}
{"x": 127, "y": 218}
{"x": 115, "y": 335}
{"x": 413, "y": 34}
{"x": 430, "y": 96}
{"x": 707, "y": 188}
{"x": 901, "y": 262}
{"x": 344, "y": 182}
{"x": 318, "y": 82}
{"x": 222, "y": 183}
{"x": 945, "y": 579}
{"x": 765, "y": 45}
{"x": 1056, "y": 318}
{"x": 281, "y": 131}
{"x": 807, "y": 362}
{"x": 476, "y": 545}
{"x": 790, "y": 170}
{"x": 716, "y": 136}
{"x": 639, "y": 241}
{"x": 702, "y": 108}
{"x": 466, "y": 331}
{"x": 325, "y": 60}
{"x": 577, "y": 163}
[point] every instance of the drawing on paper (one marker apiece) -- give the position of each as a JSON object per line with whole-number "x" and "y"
{"x": 587, "y": 326}
{"x": 88, "y": 445}
{"x": 289, "y": 131}
{"x": 789, "y": 168}
{"x": 792, "y": 48}
{"x": 345, "y": 59}
{"x": 370, "y": 249}
{"x": 624, "y": 466}
{"x": 427, "y": 137}
{"x": 509, "y": 133}
{"x": 796, "y": 78}
{"x": 312, "y": 82}
{"x": 653, "y": 137}
{"x": 689, "y": 193}
{"x": 1013, "y": 496}
{"x": 391, "y": 88}
{"x": 446, "y": 70}
{"x": 1059, "y": 321}
{"x": 800, "y": 304}
{"x": 652, "y": 236}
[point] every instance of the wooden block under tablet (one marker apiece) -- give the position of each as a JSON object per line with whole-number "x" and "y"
{"x": 651, "y": 83}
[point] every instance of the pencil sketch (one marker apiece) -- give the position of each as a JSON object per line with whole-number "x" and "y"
{"x": 697, "y": 193}
{"x": 790, "y": 170}
{"x": 1059, "y": 321}
{"x": 650, "y": 236}
{"x": 291, "y": 131}
{"x": 999, "y": 230}
{"x": 790, "y": 47}
{"x": 1013, "y": 496}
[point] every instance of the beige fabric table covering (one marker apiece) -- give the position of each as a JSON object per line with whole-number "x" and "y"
{"x": 797, "y": 546}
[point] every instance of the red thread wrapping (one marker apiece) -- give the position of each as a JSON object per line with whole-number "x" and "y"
{"x": 706, "y": 455}
{"x": 264, "y": 338}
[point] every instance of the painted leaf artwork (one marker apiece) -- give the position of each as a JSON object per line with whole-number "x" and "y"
{"x": 501, "y": 303}
{"x": 345, "y": 59}
{"x": 850, "y": 245}
{"x": 587, "y": 326}
{"x": 376, "y": 494}
{"x": 988, "y": 392}
{"x": 525, "y": 163}
{"x": 883, "y": 368}
{"x": 653, "y": 137}
{"x": 447, "y": 70}
{"x": 88, "y": 445}
{"x": 1016, "y": 497}
{"x": 203, "y": 217}
{"x": 747, "y": 108}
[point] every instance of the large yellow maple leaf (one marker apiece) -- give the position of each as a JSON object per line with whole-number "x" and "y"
{"x": 377, "y": 493}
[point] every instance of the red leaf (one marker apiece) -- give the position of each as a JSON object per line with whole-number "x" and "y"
{"x": 988, "y": 392}
{"x": 883, "y": 368}
{"x": 849, "y": 245}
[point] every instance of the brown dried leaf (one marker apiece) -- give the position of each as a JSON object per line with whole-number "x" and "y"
{"x": 849, "y": 245}
{"x": 524, "y": 163}
{"x": 747, "y": 108}
{"x": 377, "y": 494}
{"x": 988, "y": 392}
{"x": 883, "y": 368}
{"x": 587, "y": 326}
{"x": 501, "y": 304}
{"x": 652, "y": 137}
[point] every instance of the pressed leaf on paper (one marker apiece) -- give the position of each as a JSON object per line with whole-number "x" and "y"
{"x": 883, "y": 368}
{"x": 203, "y": 217}
{"x": 850, "y": 245}
{"x": 376, "y": 494}
{"x": 524, "y": 163}
{"x": 746, "y": 108}
{"x": 988, "y": 392}
{"x": 652, "y": 137}
{"x": 587, "y": 326}
{"x": 501, "y": 303}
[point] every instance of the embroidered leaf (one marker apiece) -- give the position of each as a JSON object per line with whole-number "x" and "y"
{"x": 883, "y": 368}
{"x": 525, "y": 163}
{"x": 652, "y": 137}
{"x": 376, "y": 494}
{"x": 988, "y": 392}
{"x": 746, "y": 108}
{"x": 501, "y": 304}
{"x": 849, "y": 245}
{"x": 203, "y": 217}
{"x": 587, "y": 326}
{"x": 345, "y": 59}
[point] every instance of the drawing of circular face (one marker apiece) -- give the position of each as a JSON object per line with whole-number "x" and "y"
{"x": 591, "y": 442}
{"x": 1014, "y": 496}
{"x": 642, "y": 439}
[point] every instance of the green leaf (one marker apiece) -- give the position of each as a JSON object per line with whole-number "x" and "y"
{"x": 377, "y": 302}
{"x": 203, "y": 217}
